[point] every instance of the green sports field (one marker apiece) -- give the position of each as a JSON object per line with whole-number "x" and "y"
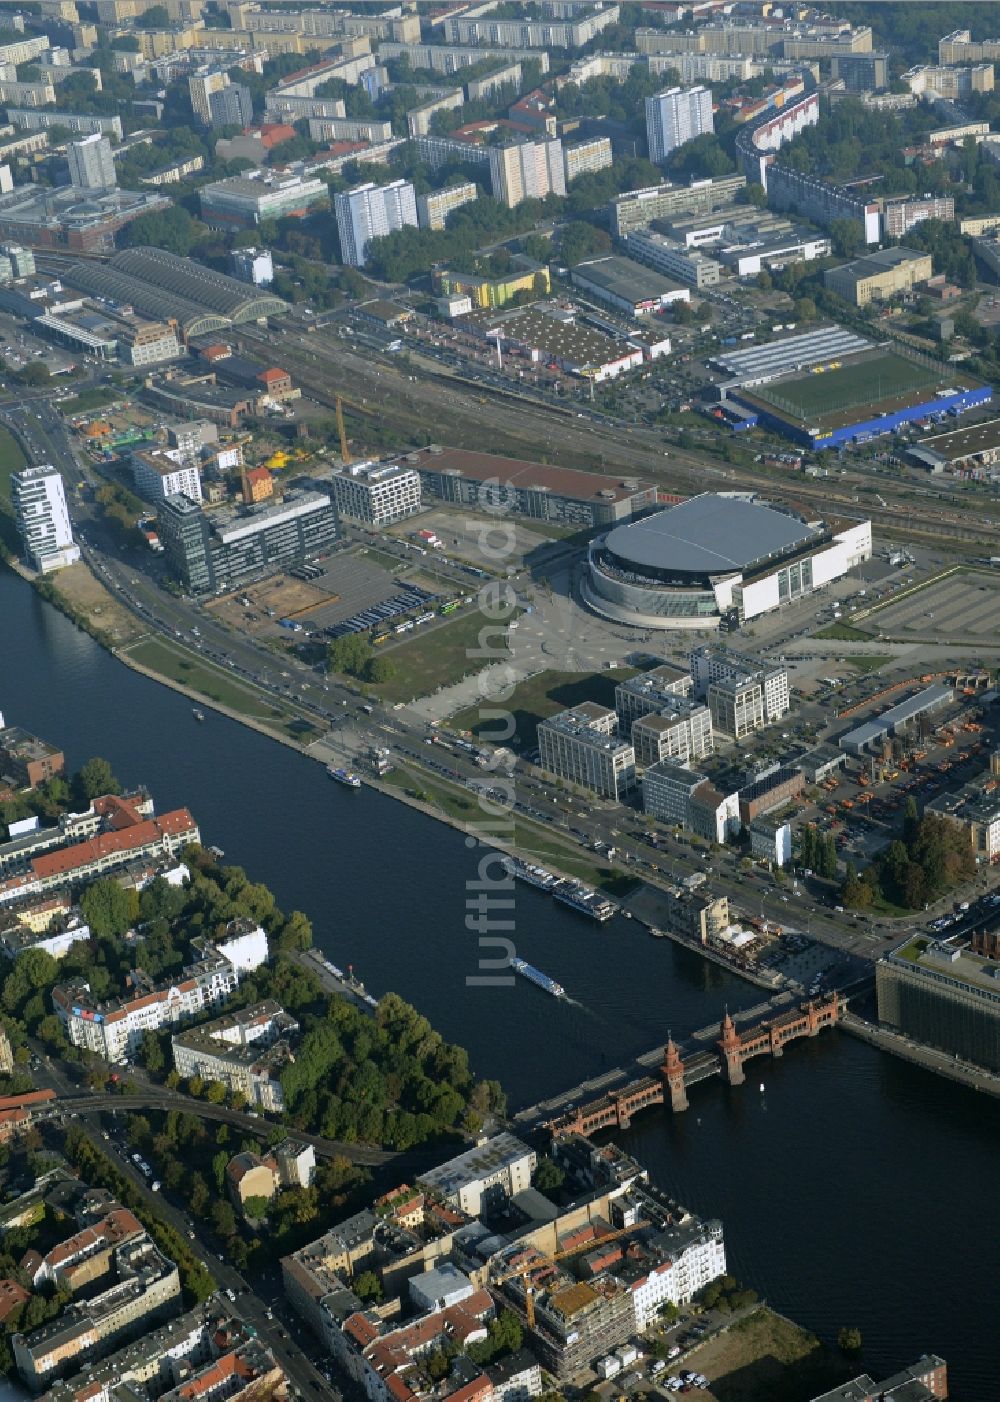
{"x": 810, "y": 398}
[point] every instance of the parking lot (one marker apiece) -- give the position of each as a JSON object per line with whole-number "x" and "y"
{"x": 497, "y": 543}
{"x": 961, "y": 607}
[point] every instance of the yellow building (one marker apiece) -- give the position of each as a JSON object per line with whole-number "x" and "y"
{"x": 878, "y": 276}
{"x": 492, "y": 292}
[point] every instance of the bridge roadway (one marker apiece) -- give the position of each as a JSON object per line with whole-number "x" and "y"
{"x": 151, "y": 1098}
{"x": 764, "y": 1027}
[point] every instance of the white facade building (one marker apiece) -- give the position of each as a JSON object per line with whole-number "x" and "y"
{"x": 492, "y": 1172}
{"x": 771, "y": 841}
{"x": 369, "y": 212}
{"x": 676, "y": 116}
{"x": 697, "y": 1258}
{"x": 376, "y": 493}
{"x": 42, "y": 516}
{"x": 163, "y": 473}
{"x": 92, "y": 163}
{"x": 527, "y": 170}
{"x": 253, "y": 265}
{"x": 582, "y": 746}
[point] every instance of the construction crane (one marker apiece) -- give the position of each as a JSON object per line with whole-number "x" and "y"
{"x": 345, "y": 452}
{"x": 525, "y": 1270}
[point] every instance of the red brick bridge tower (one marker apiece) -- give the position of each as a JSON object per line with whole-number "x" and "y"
{"x": 730, "y": 1049}
{"x": 672, "y": 1072}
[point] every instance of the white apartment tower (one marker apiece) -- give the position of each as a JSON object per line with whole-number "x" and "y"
{"x": 42, "y": 518}
{"x": 92, "y": 163}
{"x": 368, "y": 212}
{"x": 676, "y": 116}
{"x": 201, "y": 86}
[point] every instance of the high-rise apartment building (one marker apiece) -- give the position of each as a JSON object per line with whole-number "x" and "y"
{"x": 433, "y": 208}
{"x": 370, "y": 211}
{"x": 676, "y": 116}
{"x": 231, "y": 106}
{"x": 528, "y": 170}
{"x": 42, "y": 517}
{"x": 92, "y": 163}
{"x": 201, "y": 86}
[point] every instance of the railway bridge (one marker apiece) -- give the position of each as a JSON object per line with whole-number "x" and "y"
{"x": 683, "y": 1067}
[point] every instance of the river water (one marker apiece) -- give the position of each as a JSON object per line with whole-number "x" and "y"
{"x": 854, "y": 1190}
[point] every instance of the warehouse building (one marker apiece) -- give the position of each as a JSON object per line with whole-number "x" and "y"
{"x": 944, "y": 995}
{"x": 713, "y": 557}
{"x": 627, "y": 286}
{"x": 553, "y": 335}
{"x": 875, "y": 732}
{"x": 564, "y": 495}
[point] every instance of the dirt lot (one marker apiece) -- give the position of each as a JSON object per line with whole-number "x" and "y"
{"x": 961, "y": 607}
{"x": 89, "y": 596}
{"x": 767, "y": 1356}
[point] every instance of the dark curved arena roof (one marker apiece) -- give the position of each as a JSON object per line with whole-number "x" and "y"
{"x": 709, "y": 535}
{"x": 214, "y": 290}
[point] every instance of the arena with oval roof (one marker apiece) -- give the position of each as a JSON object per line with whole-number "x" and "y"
{"x": 718, "y": 556}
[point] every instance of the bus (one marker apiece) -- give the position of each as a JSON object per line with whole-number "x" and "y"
{"x": 449, "y": 607}
{"x": 381, "y": 638}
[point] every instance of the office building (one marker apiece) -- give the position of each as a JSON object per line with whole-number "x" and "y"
{"x": 861, "y": 72}
{"x": 92, "y": 163}
{"x": 244, "y": 201}
{"x": 943, "y": 994}
{"x": 681, "y": 731}
{"x": 246, "y": 1050}
{"x": 646, "y": 693}
{"x": 253, "y": 265}
{"x": 433, "y": 208}
{"x": 376, "y": 494}
{"x": 743, "y": 693}
{"x": 527, "y": 170}
{"x": 42, "y": 516}
{"x": 146, "y": 342}
{"x": 772, "y": 790}
{"x": 924, "y": 1381}
{"x": 673, "y": 259}
{"x": 231, "y": 106}
{"x": 581, "y": 746}
{"x": 22, "y": 260}
{"x": 486, "y": 481}
{"x": 636, "y": 209}
{"x": 977, "y": 814}
{"x": 370, "y": 212}
{"x": 25, "y": 760}
{"x": 483, "y": 1177}
{"x": 676, "y": 116}
{"x": 771, "y": 841}
{"x": 879, "y": 275}
{"x": 233, "y": 546}
{"x": 159, "y": 473}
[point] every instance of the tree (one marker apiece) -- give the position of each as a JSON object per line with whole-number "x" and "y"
{"x": 156, "y": 17}
{"x": 255, "y": 1207}
{"x": 548, "y": 1176}
{"x": 349, "y": 654}
{"x": 581, "y": 240}
{"x": 215, "y": 1092}
{"x": 755, "y": 194}
{"x": 94, "y": 779}
{"x": 296, "y": 932}
{"x": 108, "y": 908}
{"x": 847, "y": 237}
{"x": 173, "y": 229}
{"x": 367, "y": 1286}
{"x": 379, "y": 670}
{"x": 849, "y": 1339}
{"x": 35, "y": 374}
{"x": 223, "y": 1218}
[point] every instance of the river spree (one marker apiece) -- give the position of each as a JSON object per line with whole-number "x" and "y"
{"x": 854, "y": 1190}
